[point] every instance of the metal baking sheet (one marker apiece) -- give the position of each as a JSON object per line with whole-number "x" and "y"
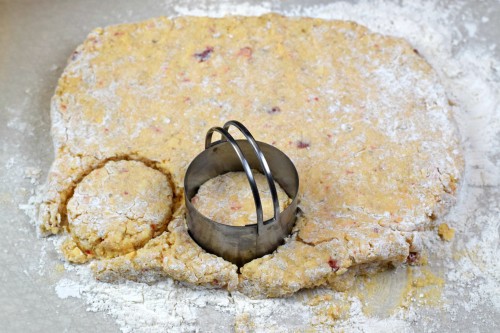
{"x": 36, "y": 37}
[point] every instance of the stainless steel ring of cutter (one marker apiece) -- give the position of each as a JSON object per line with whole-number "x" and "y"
{"x": 241, "y": 244}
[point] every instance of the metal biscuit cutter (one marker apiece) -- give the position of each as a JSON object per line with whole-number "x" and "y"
{"x": 241, "y": 244}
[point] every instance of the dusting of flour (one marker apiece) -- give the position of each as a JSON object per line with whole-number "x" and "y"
{"x": 470, "y": 263}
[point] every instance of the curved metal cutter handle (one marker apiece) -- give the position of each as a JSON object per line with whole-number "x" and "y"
{"x": 246, "y": 167}
{"x": 262, "y": 161}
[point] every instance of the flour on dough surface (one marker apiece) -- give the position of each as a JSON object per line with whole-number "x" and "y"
{"x": 117, "y": 209}
{"x": 363, "y": 117}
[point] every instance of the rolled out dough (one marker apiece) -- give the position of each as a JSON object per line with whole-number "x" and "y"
{"x": 363, "y": 117}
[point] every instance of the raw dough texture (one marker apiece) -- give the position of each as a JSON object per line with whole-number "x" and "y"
{"x": 363, "y": 117}
{"x": 173, "y": 254}
{"x": 228, "y": 199}
{"x": 117, "y": 209}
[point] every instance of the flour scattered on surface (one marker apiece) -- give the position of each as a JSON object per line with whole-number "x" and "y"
{"x": 66, "y": 288}
{"x": 469, "y": 264}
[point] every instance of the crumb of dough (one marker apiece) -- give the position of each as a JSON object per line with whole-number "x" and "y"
{"x": 72, "y": 252}
{"x": 445, "y": 232}
{"x": 332, "y": 312}
{"x": 117, "y": 209}
{"x": 319, "y": 299}
{"x": 227, "y": 199}
{"x": 243, "y": 323}
{"x": 423, "y": 287}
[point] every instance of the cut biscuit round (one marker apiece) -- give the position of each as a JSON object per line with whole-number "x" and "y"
{"x": 118, "y": 208}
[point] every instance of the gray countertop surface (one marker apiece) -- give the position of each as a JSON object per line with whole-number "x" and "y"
{"x": 36, "y": 37}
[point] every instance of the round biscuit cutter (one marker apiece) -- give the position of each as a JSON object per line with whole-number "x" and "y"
{"x": 241, "y": 244}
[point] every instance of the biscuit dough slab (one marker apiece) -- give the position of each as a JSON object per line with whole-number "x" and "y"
{"x": 363, "y": 117}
